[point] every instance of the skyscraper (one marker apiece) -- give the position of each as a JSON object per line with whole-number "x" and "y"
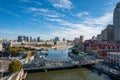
{"x": 56, "y": 38}
{"x": 99, "y": 37}
{"x": 38, "y": 39}
{"x": 81, "y": 39}
{"x": 116, "y": 22}
{"x": 108, "y": 33}
{"x": 20, "y": 38}
{"x": 31, "y": 39}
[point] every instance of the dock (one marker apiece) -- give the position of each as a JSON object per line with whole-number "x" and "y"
{"x": 117, "y": 77}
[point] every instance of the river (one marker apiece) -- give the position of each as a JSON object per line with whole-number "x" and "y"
{"x": 71, "y": 74}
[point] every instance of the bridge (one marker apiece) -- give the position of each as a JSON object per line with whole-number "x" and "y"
{"x": 49, "y": 65}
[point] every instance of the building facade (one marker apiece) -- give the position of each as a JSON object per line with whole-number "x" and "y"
{"x": 98, "y": 38}
{"x": 108, "y": 33}
{"x": 114, "y": 57}
{"x": 81, "y": 39}
{"x": 116, "y": 22}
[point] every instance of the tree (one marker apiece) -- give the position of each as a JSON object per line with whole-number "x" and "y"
{"x": 75, "y": 51}
{"x": 15, "y": 66}
{"x": 14, "y": 51}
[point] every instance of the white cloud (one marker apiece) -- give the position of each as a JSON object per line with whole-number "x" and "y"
{"x": 33, "y": 9}
{"x": 88, "y": 28}
{"x": 30, "y": 1}
{"x": 43, "y": 11}
{"x": 70, "y": 33}
{"x": 102, "y": 21}
{"x": 82, "y": 13}
{"x": 37, "y": 2}
{"x": 64, "y": 4}
{"x": 9, "y": 12}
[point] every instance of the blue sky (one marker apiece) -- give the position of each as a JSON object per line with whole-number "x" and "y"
{"x": 50, "y": 18}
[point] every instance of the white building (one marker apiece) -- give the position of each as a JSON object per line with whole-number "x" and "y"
{"x": 50, "y": 42}
{"x": 114, "y": 57}
{"x": 60, "y": 42}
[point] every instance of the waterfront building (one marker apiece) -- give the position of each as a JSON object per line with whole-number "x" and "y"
{"x": 114, "y": 57}
{"x": 116, "y": 22}
{"x": 15, "y": 44}
{"x": 100, "y": 48}
{"x": 50, "y": 42}
{"x": 60, "y": 42}
{"x": 76, "y": 41}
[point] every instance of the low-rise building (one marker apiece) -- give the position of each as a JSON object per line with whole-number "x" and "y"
{"x": 114, "y": 57}
{"x": 100, "y": 48}
{"x": 60, "y": 42}
{"x": 50, "y": 42}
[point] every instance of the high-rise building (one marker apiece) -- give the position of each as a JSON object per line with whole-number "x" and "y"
{"x": 108, "y": 33}
{"x": 104, "y": 34}
{"x": 38, "y": 39}
{"x": 81, "y": 39}
{"x": 63, "y": 39}
{"x": 98, "y": 38}
{"x": 34, "y": 40}
{"x": 56, "y": 39}
{"x": 23, "y": 38}
{"x": 93, "y": 38}
{"x": 20, "y": 38}
{"x": 31, "y": 39}
{"x": 116, "y": 22}
{"x": 76, "y": 41}
{"x": 26, "y": 39}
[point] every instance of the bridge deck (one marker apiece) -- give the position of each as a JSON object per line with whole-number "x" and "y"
{"x": 56, "y": 65}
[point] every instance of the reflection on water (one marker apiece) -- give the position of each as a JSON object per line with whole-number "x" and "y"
{"x": 73, "y": 74}
{"x": 60, "y": 53}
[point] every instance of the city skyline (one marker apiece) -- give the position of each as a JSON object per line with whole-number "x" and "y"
{"x": 51, "y": 18}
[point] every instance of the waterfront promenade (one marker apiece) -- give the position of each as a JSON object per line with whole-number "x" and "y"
{"x": 107, "y": 70}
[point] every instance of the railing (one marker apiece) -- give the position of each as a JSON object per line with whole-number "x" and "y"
{"x": 57, "y": 64}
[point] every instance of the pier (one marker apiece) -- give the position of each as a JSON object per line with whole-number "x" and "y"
{"x": 117, "y": 76}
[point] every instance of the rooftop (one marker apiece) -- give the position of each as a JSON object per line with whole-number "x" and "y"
{"x": 118, "y": 5}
